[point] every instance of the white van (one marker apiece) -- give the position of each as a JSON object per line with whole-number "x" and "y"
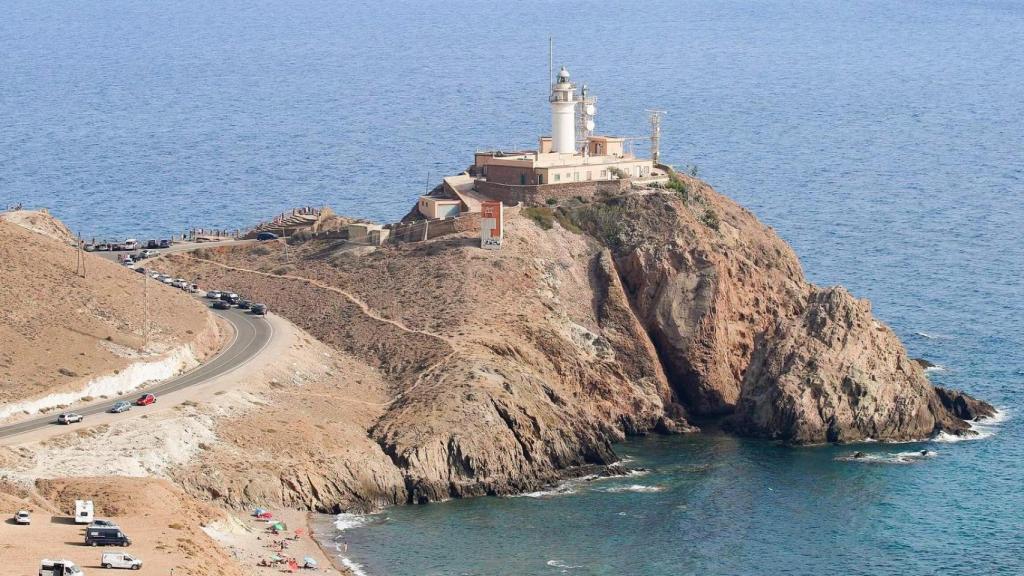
{"x": 120, "y": 560}
{"x": 130, "y": 244}
{"x": 59, "y": 568}
{"x": 83, "y": 512}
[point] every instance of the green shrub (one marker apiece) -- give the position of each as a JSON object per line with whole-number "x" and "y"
{"x": 710, "y": 219}
{"x": 566, "y": 222}
{"x": 551, "y": 201}
{"x": 602, "y": 221}
{"x": 681, "y": 188}
{"x": 541, "y": 215}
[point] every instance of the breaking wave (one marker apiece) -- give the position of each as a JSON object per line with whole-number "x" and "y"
{"x": 345, "y": 521}
{"x": 563, "y": 565}
{"x": 891, "y": 457}
{"x": 638, "y": 488}
{"x": 984, "y": 428}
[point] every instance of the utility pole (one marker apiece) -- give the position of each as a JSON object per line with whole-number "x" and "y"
{"x": 145, "y": 310}
{"x": 655, "y": 117}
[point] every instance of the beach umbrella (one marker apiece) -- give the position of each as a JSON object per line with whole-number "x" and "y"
{"x": 310, "y": 562}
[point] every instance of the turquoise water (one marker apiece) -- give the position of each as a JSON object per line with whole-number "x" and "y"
{"x": 882, "y": 139}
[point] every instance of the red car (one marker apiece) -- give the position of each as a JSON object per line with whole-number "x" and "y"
{"x": 145, "y": 400}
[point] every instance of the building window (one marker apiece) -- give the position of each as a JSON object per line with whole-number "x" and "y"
{"x": 589, "y": 175}
{"x": 522, "y": 179}
{"x": 558, "y": 177}
{"x": 540, "y": 178}
{"x": 576, "y": 176}
{"x": 604, "y": 174}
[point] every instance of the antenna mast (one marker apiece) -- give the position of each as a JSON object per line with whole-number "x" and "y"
{"x": 655, "y": 118}
{"x": 551, "y": 61}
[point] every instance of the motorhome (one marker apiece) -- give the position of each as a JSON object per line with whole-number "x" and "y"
{"x": 59, "y": 568}
{"x": 83, "y": 512}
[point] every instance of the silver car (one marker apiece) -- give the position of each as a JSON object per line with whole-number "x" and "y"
{"x": 121, "y": 406}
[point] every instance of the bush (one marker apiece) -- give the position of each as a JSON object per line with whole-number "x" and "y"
{"x": 551, "y": 201}
{"x": 542, "y": 216}
{"x": 602, "y": 221}
{"x": 681, "y": 188}
{"x": 710, "y": 219}
{"x": 566, "y": 222}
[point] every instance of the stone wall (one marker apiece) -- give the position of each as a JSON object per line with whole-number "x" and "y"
{"x": 415, "y": 231}
{"x": 537, "y": 194}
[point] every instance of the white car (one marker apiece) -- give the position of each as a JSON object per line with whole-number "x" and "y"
{"x": 167, "y": 280}
{"x": 22, "y": 517}
{"x": 120, "y": 560}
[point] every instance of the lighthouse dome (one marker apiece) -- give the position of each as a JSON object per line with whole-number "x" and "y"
{"x": 563, "y": 75}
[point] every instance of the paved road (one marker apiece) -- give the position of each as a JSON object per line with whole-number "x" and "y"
{"x": 252, "y": 334}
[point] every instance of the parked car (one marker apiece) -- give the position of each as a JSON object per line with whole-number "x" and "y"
{"x": 103, "y": 524}
{"x": 140, "y": 270}
{"x": 128, "y": 262}
{"x": 214, "y": 294}
{"x": 68, "y": 418}
{"x": 119, "y": 560}
{"x": 148, "y": 253}
{"x": 22, "y": 517}
{"x": 121, "y": 406}
{"x": 130, "y": 244}
{"x": 222, "y": 305}
{"x": 227, "y": 296}
{"x": 167, "y": 280}
{"x": 106, "y": 537}
{"x": 145, "y": 400}
{"x": 165, "y": 243}
{"x": 260, "y": 309}
{"x": 103, "y": 247}
{"x": 89, "y": 247}
{"x": 193, "y": 288}
{"x": 244, "y": 304}
{"x": 152, "y": 244}
{"x": 262, "y": 236}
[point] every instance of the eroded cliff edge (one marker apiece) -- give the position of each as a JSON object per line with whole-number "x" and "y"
{"x": 501, "y": 372}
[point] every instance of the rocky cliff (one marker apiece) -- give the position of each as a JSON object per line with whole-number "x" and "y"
{"x": 500, "y": 372}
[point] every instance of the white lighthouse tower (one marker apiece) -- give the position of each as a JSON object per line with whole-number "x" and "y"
{"x": 563, "y": 114}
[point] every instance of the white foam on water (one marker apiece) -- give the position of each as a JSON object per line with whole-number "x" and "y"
{"x": 984, "y": 428}
{"x": 560, "y": 564}
{"x": 637, "y": 488}
{"x": 346, "y": 521}
{"x": 353, "y": 566}
{"x": 935, "y": 368}
{"x": 890, "y": 458}
{"x": 928, "y": 336}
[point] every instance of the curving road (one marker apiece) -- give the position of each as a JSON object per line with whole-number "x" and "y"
{"x": 252, "y": 334}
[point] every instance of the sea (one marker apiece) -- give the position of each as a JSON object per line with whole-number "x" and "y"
{"x": 883, "y": 139}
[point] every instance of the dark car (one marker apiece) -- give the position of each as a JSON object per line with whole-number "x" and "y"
{"x": 266, "y": 236}
{"x": 260, "y": 309}
{"x": 244, "y": 304}
{"x": 222, "y": 305}
{"x": 152, "y": 244}
{"x": 164, "y": 244}
{"x": 230, "y": 297}
{"x": 103, "y": 536}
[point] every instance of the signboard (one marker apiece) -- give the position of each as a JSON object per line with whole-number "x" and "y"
{"x": 491, "y": 225}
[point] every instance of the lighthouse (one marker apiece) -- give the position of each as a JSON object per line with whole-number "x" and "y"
{"x": 563, "y": 114}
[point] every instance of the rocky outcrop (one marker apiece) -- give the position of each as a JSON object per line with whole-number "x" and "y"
{"x": 835, "y": 374}
{"x": 742, "y": 333}
{"x": 963, "y": 406}
{"x": 505, "y": 371}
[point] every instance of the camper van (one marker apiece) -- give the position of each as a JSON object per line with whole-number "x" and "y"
{"x": 83, "y": 512}
{"x": 59, "y": 568}
{"x": 130, "y": 244}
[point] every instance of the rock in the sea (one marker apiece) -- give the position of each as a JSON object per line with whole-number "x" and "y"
{"x": 836, "y": 374}
{"x": 964, "y": 406}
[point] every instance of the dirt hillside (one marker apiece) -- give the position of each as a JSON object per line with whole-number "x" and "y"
{"x": 60, "y": 329}
{"x": 41, "y": 222}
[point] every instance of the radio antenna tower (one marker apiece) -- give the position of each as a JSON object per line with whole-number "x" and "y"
{"x": 551, "y": 61}
{"x": 655, "y": 118}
